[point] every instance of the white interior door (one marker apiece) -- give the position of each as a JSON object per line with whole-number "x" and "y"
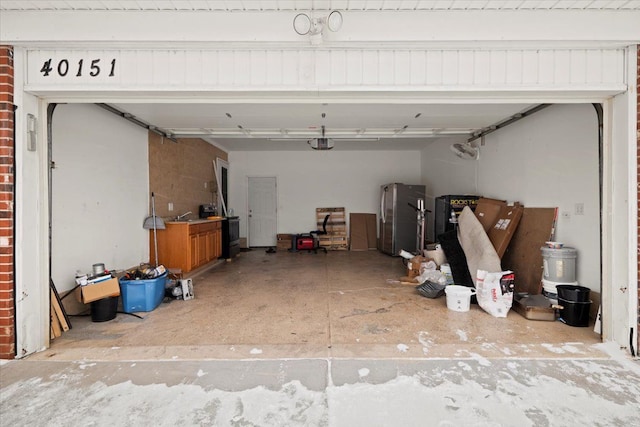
{"x": 262, "y": 211}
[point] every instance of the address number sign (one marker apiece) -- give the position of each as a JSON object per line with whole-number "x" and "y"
{"x": 90, "y": 67}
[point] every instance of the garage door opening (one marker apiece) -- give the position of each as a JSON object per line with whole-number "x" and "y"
{"x": 571, "y": 177}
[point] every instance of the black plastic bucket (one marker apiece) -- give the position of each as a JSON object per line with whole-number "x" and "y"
{"x": 104, "y": 309}
{"x": 573, "y": 293}
{"x": 574, "y": 313}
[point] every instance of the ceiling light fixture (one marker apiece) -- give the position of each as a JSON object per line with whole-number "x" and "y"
{"x": 321, "y": 143}
{"x": 304, "y": 24}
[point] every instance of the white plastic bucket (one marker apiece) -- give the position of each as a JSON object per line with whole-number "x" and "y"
{"x": 559, "y": 265}
{"x": 459, "y": 297}
{"x": 550, "y": 286}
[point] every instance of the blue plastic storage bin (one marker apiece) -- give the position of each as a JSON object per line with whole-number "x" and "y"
{"x": 143, "y": 294}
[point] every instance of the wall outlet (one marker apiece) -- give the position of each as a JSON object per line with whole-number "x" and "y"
{"x": 170, "y": 207}
{"x": 579, "y": 207}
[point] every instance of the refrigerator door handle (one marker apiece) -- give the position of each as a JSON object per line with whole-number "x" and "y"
{"x": 382, "y": 206}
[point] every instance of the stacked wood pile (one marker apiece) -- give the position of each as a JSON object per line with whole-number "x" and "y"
{"x": 59, "y": 319}
{"x": 336, "y": 237}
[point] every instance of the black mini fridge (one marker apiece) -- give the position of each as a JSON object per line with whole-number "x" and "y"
{"x": 230, "y": 237}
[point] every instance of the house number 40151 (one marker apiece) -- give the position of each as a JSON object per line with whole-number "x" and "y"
{"x": 66, "y": 68}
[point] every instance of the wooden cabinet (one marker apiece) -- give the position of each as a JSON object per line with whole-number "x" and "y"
{"x": 188, "y": 245}
{"x": 203, "y": 254}
{"x": 210, "y": 245}
{"x": 192, "y": 257}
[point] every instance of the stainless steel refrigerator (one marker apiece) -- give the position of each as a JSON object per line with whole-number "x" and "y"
{"x": 399, "y": 218}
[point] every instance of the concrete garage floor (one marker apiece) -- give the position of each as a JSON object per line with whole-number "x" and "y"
{"x": 304, "y": 339}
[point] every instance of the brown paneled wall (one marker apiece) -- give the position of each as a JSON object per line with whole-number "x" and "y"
{"x": 178, "y": 173}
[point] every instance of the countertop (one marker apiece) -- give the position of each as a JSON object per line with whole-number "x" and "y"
{"x": 196, "y": 221}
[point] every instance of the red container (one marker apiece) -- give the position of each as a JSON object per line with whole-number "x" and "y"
{"x": 304, "y": 243}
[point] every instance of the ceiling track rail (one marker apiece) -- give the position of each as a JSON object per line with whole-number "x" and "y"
{"x": 133, "y": 119}
{"x": 506, "y": 122}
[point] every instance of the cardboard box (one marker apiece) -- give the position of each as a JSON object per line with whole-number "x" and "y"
{"x": 504, "y": 228}
{"x": 96, "y": 291}
{"x": 487, "y": 211}
{"x": 284, "y": 241}
{"x": 415, "y": 264}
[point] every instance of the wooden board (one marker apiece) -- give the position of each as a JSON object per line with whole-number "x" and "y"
{"x": 57, "y": 309}
{"x": 336, "y": 222}
{"x": 362, "y": 231}
{"x": 336, "y": 237}
{"x": 333, "y": 243}
{"x": 358, "y": 232}
{"x": 523, "y": 256}
{"x": 55, "y": 324}
{"x": 56, "y": 304}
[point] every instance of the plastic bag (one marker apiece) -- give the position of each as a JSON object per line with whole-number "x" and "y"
{"x": 437, "y": 255}
{"x": 418, "y": 264}
{"x": 494, "y": 292}
{"x": 434, "y": 276}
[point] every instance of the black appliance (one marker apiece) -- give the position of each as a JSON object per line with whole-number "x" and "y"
{"x": 447, "y": 210}
{"x": 230, "y": 237}
{"x": 207, "y": 211}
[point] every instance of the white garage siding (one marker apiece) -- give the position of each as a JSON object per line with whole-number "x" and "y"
{"x": 324, "y": 72}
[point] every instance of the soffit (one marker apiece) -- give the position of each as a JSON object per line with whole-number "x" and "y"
{"x": 302, "y": 5}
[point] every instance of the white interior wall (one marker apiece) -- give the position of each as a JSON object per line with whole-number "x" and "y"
{"x": 549, "y": 159}
{"x": 307, "y": 180}
{"x": 99, "y": 192}
{"x": 444, "y": 173}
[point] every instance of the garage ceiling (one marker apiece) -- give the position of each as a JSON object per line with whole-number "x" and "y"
{"x": 353, "y": 126}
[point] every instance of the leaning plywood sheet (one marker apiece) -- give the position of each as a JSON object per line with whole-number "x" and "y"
{"x": 372, "y": 231}
{"x": 358, "y": 232}
{"x": 362, "y": 231}
{"x": 523, "y": 256}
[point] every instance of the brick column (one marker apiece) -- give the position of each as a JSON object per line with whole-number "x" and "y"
{"x": 7, "y": 299}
